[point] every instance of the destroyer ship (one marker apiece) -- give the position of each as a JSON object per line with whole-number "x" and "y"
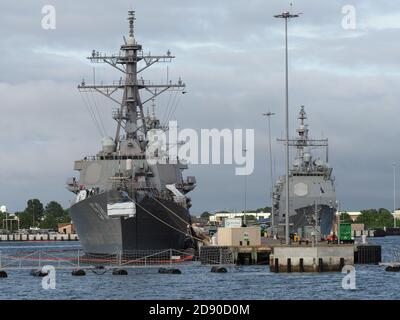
{"x": 312, "y": 198}
{"x": 124, "y": 202}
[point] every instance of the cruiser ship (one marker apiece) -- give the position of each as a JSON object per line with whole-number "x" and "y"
{"x": 312, "y": 197}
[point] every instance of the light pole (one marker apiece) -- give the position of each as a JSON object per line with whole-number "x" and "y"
{"x": 286, "y": 15}
{"x": 245, "y": 194}
{"x": 394, "y": 194}
{"x": 269, "y": 114}
{"x": 338, "y": 224}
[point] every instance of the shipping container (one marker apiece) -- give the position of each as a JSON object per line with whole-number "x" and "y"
{"x": 345, "y": 232}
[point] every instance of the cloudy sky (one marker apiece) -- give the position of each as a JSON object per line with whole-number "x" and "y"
{"x": 230, "y": 55}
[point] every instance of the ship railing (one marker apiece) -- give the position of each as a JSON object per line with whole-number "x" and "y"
{"x": 27, "y": 259}
{"x": 114, "y": 157}
{"x": 77, "y": 259}
{"x": 216, "y": 255}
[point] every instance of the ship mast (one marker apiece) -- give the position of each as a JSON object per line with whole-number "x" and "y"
{"x": 130, "y": 109}
{"x": 304, "y": 144}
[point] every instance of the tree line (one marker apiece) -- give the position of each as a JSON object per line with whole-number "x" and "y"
{"x": 38, "y": 215}
{"x": 371, "y": 218}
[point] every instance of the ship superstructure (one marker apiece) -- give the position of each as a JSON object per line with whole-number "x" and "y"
{"x": 124, "y": 202}
{"x": 312, "y": 198}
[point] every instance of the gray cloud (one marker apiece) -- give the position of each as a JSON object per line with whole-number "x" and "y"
{"x": 230, "y": 54}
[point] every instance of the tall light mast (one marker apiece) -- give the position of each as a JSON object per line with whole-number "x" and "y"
{"x": 286, "y": 15}
{"x": 394, "y": 194}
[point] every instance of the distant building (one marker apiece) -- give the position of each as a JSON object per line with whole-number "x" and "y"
{"x": 353, "y": 214}
{"x": 218, "y": 217}
{"x": 247, "y": 236}
{"x": 66, "y": 228}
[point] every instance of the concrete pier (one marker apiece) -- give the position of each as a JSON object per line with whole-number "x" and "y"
{"x": 38, "y": 237}
{"x": 318, "y": 258}
{"x": 246, "y": 255}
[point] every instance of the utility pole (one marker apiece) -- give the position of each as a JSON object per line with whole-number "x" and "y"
{"x": 269, "y": 114}
{"x": 286, "y": 15}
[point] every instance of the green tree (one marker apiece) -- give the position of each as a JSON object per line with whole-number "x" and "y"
{"x": 345, "y": 218}
{"x": 25, "y": 219}
{"x": 34, "y": 210}
{"x": 265, "y": 209}
{"x": 2, "y": 216}
{"x": 205, "y": 215}
{"x": 66, "y": 217}
{"x": 373, "y": 218}
{"x": 53, "y": 215}
{"x": 49, "y": 222}
{"x": 55, "y": 209}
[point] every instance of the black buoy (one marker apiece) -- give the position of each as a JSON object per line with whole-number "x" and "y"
{"x": 78, "y": 272}
{"x": 219, "y": 269}
{"x": 392, "y": 268}
{"x": 3, "y": 274}
{"x": 120, "y": 272}
{"x": 38, "y": 273}
{"x": 169, "y": 271}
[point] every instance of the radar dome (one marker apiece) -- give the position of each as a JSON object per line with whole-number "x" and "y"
{"x": 130, "y": 41}
{"x": 301, "y": 129}
{"x": 307, "y": 157}
{"x": 3, "y": 209}
{"x": 108, "y": 145}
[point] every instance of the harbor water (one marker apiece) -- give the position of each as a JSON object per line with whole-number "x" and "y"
{"x": 197, "y": 282}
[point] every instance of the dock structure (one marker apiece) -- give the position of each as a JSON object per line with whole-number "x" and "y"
{"x": 321, "y": 257}
{"x": 243, "y": 255}
{"x": 38, "y": 237}
{"x": 368, "y": 254}
{"x": 318, "y": 258}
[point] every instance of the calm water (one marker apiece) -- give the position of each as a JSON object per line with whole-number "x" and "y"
{"x": 196, "y": 282}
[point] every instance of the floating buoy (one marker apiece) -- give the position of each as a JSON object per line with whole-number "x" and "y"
{"x": 120, "y": 272}
{"x": 169, "y": 271}
{"x": 219, "y": 269}
{"x": 38, "y": 273}
{"x": 78, "y": 272}
{"x": 392, "y": 268}
{"x": 3, "y": 274}
{"x": 99, "y": 270}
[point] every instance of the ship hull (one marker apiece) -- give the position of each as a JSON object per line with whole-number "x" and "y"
{"x": 153, "y": 227}
{"x": 303, "y": 216}
{"x": 303, "y": 221}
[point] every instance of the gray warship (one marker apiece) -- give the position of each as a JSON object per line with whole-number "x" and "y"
{"x": 312, "y": 198}
{"x": 124, "y": 202}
